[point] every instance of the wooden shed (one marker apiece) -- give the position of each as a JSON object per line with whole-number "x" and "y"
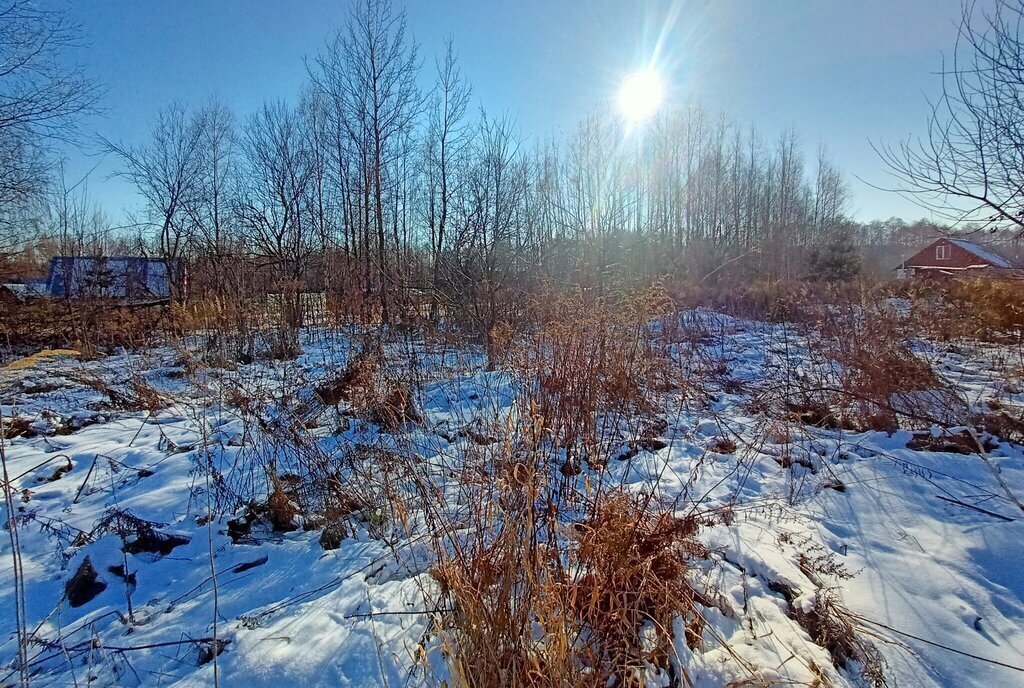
{"x": 945, "y": 257}
{"x": 117, "y": 277}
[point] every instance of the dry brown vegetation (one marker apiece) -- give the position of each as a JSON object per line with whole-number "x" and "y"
{"x": 593, "y": 358}
{"x": 980, "y": 309}
{"x": 89, "y": 326}
{"x": 876, "y": 379}
{"x": 545, "y": 578}
{"x": 539, "y": 599}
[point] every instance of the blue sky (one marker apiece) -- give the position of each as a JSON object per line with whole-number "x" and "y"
{"x": 842, "y": 72}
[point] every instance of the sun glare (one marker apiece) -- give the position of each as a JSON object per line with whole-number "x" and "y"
{"x": 641, "y": 95}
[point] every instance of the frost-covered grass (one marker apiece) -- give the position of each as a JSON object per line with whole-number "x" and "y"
{"x": 244, "y": 521}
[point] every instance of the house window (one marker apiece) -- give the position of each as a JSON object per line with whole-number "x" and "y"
{"x": 943, "y": 252}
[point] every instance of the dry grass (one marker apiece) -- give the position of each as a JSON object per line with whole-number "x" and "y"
{"x": 979, "y": 309}
{"x": 547, "y": 577}
{"x": 591, "y": 606}
{"x": 89, "y": 326}
{"x": 370, "y": 392}
{"x": 35, "y": 359}
{"x": 134, "y": 394}
{"x": 281, "y": 510}
{"x": 593, "y": 358}
{"x": 853, "y": 366}
{"x": 547, "y": 586}
{"x": 635, "y": 563}
{"x": 880, "y": 378}
{"x": 355, "y": 382}
{"x": 769, "y": 301}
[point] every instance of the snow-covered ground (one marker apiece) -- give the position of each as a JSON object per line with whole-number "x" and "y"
{"x": 922, "y": 552}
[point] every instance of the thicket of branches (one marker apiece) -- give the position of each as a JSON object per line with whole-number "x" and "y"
{"x": 42, "y": 97}
{"x": 388, "y": 196}
{"x": 398, "y": 202}
{"x": 970, "y": 163}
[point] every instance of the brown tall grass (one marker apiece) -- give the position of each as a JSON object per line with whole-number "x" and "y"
{"x": 592, "y": 358}
{"x": 536, "y": 598}
{"x": 977, "y": 309}
{"x": 91, "y": 326}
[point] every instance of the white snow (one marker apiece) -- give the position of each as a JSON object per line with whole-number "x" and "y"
{"x": 917, "y": 573}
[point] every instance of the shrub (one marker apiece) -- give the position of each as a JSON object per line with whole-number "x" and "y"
{"x": 591, "y": 608}
{"x": 90, "y": 325}
{"x": 978, "y": 309}
{"x": 834, "y": 262}
{"x": 592, "y": 358}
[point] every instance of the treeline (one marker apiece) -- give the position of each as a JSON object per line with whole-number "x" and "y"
{"x": 398, "y": 201}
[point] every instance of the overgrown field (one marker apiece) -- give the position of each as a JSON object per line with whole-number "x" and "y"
{"x": 622, "y": 492}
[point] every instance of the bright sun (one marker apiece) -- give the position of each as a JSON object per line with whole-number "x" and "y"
{"x": 640, "y": 95}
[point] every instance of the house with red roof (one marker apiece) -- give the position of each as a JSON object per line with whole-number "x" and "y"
{"x": 945, "y": 258}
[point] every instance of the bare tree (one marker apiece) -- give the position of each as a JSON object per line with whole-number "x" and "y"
{"x": 75, "y": 223}
{"x": 370, "y": 70}
{"x": 209, "y": 221}
{"x": 167, "y": 173}
{"x": 490, "y": 243}
{"x": 600, "y": 191}
{"x": 830, "y": 197}
{"x": 970, "y": 164}
{"x": 273, "y": 207}
{"x": 315, "y": 109}
{"x": 209, "y": 205}
{"x": 343, "y": 160}
{"x": 41, "y": 99}
{"x": 447, "y": 141}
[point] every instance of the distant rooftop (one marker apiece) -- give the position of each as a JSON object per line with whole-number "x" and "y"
{"x": 111, "y": 277}
{"x": 993, "y": 259}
